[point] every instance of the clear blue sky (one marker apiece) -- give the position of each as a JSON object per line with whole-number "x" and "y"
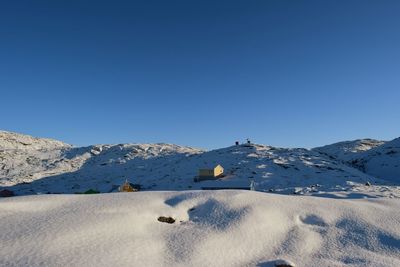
{"x": 201, "y": 73}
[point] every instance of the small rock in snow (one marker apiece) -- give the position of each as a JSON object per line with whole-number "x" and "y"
{"x": 166, "y": 219}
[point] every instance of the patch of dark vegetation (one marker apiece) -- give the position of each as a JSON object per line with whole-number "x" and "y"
{"x": 6, "y": 193}
{"x": 91, "y": 191}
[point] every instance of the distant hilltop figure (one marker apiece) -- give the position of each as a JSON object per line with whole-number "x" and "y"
{"x": 248, "y": 143}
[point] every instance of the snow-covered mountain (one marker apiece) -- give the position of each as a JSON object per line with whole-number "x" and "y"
{"x": 348, "y": 150}
{"x": 383, "y": 161}
{"x": 25, "y": 160}
{"x": 16, "y": 141}
{"x": 33, "y": 165}
{"x": 376, "y": 158}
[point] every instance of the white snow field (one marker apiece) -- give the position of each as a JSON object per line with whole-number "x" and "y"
{"x": 212, "y": 228}
{"x": 336, "y": 205}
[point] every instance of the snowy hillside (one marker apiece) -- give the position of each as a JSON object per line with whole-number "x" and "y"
{"x": 382, "y": 161}
{"x": 9, "y": 140}
{"x": 376, "y": 158}
{"x": 211, "y": 228}
{"x": 20, "y": 164}
{"x": 24, "y": 158}
{"x": 348, "y": 150}
{"x": 46, "y": 166}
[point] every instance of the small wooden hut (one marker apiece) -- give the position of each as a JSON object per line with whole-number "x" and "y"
{"x": 211, "y": 173}
{"x": 127, "y": 187}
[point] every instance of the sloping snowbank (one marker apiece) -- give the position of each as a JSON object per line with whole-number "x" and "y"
{"x": 212, "y": 228}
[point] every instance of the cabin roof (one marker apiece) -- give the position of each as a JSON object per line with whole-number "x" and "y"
{"x": 210, "y": 167}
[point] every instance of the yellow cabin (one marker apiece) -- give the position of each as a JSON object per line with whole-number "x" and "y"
{"x": 211, "y": 173}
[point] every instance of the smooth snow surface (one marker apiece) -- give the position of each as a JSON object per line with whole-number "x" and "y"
{"x": 212, "y": 228}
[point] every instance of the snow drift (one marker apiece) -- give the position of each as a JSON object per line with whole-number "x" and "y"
{"x": 218, "y": 228}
